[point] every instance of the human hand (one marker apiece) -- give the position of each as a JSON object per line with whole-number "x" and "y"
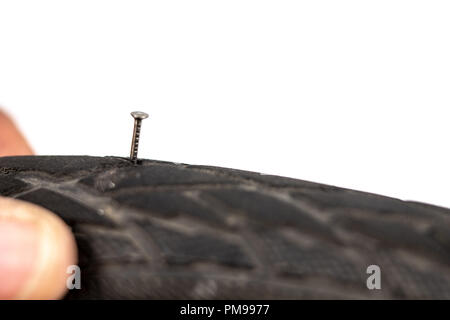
{"x": 36, "y": 246}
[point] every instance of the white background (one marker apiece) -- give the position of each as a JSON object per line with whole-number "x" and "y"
{"x": 349, "y": 93}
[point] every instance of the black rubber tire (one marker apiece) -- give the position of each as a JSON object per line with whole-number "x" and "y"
{"x": 157, "y": 230}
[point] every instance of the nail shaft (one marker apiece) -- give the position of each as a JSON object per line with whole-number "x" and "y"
{"x": 135, "y": 142}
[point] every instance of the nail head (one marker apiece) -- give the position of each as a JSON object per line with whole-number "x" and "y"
{"x": 139, "y": 115}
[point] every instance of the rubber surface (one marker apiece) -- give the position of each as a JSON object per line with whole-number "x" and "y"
{"x": 162, "y": 230}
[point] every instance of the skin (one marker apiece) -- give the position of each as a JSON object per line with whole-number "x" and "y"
{"x": 12, "y": 142}
{"x": 36, "y": 246}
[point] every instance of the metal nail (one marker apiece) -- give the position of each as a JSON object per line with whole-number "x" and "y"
{"x": 138, "y": 117}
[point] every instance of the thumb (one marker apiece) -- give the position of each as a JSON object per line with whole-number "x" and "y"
{"x": 36, "y": 247}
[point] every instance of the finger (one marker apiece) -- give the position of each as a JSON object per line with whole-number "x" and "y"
{"x": 12, "y": 142}
{"x": 36, "y": 248}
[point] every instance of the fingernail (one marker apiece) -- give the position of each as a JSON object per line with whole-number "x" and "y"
{"x": 18, "y": 252}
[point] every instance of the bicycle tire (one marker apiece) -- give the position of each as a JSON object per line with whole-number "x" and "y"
{"x": 162, "y": 230}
